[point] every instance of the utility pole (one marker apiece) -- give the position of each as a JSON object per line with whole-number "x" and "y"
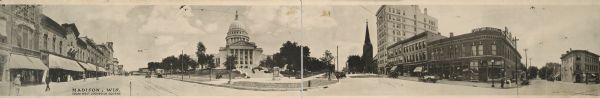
{"x": 180, "y": 58}
{"x": 526, "y": 71}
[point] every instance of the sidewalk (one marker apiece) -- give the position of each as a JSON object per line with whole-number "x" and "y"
{"x": 464, "y": 83}
{"x": 40, "y": 89}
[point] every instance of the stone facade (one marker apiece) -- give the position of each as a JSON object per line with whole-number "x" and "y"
{"x": 578, "y": 65}
{"x": 398, "y": 22}
{"x": 248, "y": 54}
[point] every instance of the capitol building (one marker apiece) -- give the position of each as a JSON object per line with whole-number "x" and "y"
{"x": 247, "y": 54}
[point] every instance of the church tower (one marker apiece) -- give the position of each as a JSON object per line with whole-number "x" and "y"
{"x": 367, "y": 46}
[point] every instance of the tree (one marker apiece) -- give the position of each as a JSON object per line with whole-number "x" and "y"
{"x": 229, "y": 65}
{"x": 169, "y": 63}
{"x": 279, "y": 60}
{"x": 201, "y": 54}
{"x": 355, "y": 64}
{"x": 152, "y": 66}
{"x": 185, "y": 62}
{"x": 210, "y": 65}
{"x": 532, "y": 72}
{"x": 267, "y": 63}
{"x": 291, "y": 52}
{"x": 327, "y": 58}
{"x": 549, "y": 71}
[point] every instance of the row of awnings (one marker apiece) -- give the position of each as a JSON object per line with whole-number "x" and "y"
{"x": 16, "y": 61}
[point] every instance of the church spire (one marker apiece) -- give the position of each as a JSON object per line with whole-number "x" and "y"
{"x": 367, "y": 46}
{"x": 367, "y": 37}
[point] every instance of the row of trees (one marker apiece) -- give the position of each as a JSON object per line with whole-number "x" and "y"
{"x": 358, "y": 64}
{"x": 547, "y": 72}
{"x": 290, "y": 54}
{"x": 180, "y": 63}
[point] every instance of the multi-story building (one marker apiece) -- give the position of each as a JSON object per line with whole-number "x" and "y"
{"x": 19, "y": 45}
{"x": 398, "y": 22}
{"x": 485, "y": 53}
{"x": 411, "y": 53}
{"x": 58, "y": 51}
{"x": 578, "y": 65}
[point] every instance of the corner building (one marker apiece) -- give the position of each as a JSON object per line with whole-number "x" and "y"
{"x": 410, "y": 55}
{"x": 398, "y": 22}
{"x": 485, "y": 53}
{"x": 578, "y": 65}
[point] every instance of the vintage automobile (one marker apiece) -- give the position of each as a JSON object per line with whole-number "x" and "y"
{"x": 148, "y": 76}
{"x": 429, "y": 78}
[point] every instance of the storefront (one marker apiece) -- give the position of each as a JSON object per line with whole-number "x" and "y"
{"x": 91, "y": 71}
{"x": 63, "y": 70}
{"x": 32, "y": 70}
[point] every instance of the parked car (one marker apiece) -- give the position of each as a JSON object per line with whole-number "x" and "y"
{"x": 148, "y": 76}
{"x": 159, "y": 76}
{"x": 340, "y": 75}
{"x": 429, "y": 78}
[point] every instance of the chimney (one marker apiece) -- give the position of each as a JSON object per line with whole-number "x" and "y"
{"x": 425, "y": 11}
{"x": 451, "y": 34}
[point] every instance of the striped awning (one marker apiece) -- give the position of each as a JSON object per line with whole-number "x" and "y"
{"x": 63, "y": 63}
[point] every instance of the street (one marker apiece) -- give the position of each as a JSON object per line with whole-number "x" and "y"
{"x": 141, "y": 86}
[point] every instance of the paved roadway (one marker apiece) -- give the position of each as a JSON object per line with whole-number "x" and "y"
{"x": 141, "y": 86}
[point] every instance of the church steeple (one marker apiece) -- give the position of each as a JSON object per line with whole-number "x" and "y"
{"x": 367, "y": 37}
{"x": 367, "y": 46}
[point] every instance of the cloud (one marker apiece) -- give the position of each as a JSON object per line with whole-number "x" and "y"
{"x": 162, "y": 40}
{"x": 170, "y": 19}
{"x": 211, "y": 28}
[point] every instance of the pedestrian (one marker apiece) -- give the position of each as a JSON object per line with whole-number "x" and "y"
{"x": 502, "y": 83}
{"x": 47, "y": 84}
{"x": 17, "y": 84}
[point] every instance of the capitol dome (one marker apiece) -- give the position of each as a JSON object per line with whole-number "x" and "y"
{"x": 237, "y": 32}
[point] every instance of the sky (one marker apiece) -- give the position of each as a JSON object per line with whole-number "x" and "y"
{"x": 547, "y": 31}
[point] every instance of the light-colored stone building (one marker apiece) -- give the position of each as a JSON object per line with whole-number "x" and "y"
{"x": 398, "y": 22}
{"x": 578, "y": 64}
{"x": 247, "y": 53}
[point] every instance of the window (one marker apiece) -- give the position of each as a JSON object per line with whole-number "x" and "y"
{"x": 60, "y": 47}
{"x": 45, "y": 42}
{"x": 474, "y": 49}
{"x": 480, "y": 49}
{"x": 3, "y": 31}
{"x": 493, "y": 48}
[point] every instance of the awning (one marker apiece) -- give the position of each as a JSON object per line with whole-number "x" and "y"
{"x": 63, "y": 63}
{"x": 418, "y": 69}
{"x": 87, "y": 67}
{"x": 100, "y": 69}
{"x": 16, "y": 61}
{"x": 393, "y": 68}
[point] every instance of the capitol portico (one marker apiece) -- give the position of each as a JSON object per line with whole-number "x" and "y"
{"x": 247, "y": 54}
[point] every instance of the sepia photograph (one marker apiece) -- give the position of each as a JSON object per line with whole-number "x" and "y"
{"x": 298, "y": 49}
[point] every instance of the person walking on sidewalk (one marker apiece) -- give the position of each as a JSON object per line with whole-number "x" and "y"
{"x": 17, "y": 84}
{"x": 48, "y": 84}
